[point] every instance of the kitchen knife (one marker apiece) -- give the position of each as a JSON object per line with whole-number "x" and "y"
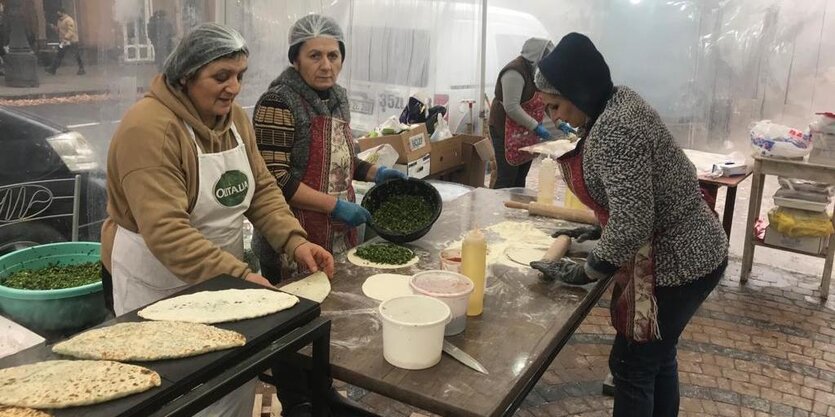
{"x": 463, "y": 357}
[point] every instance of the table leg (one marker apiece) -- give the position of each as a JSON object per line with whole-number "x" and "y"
{"x": 320, "y": 376}
{"x": 754, "y": 205}
{"x": 713, "y": 191}
{"x": 728, "y": 214}
{"x": 827, "y": 266}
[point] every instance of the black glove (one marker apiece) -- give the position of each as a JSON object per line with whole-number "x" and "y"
{"x": 564, "y": 270}
{"x": 581, "y": 233}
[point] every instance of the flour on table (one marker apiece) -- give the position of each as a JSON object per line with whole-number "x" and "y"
{"x": 356, "y": 260}
{"x": 509, "y": 234}
{"x": 382, "y": 287}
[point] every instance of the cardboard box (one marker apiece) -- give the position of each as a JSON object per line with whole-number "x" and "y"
{"x": 410, "y": 144}
{"x": 446, "y": 155}
{"x": 418, "y": 168}
{"x": 811, "y": 245}
{"x": 475, "y": 152}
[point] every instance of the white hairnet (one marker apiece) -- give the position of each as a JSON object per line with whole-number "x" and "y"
{"x": 314, "y": 26}
{"x": 204, "y": 44}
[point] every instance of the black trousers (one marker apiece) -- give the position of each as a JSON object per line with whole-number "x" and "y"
{"x": 76, "y": 50}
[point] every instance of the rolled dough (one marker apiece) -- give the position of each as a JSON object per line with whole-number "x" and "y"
{"x": 356, "y": 260}
{"x": 382, "y": 287}
{"x": 315, "y": 287}
{"x": 525, "y": 254}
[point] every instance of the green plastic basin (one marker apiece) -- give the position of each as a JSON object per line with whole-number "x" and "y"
{"x": 52, "y": 310}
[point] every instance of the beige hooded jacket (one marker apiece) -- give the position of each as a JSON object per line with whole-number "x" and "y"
{"x": 152, "y": 184}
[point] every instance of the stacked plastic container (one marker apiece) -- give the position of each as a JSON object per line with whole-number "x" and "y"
{"x": 800, "y": 221}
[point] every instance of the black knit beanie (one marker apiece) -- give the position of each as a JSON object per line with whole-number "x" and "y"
{"x": 577, "y": 70}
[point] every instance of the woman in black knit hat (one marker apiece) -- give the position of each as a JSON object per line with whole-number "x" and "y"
{"x": 662, "y": 243}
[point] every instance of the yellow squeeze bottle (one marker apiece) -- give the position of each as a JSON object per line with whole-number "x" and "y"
{"x": 474, "y": 266}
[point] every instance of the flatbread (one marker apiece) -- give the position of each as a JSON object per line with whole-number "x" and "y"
{"x": 356, "y": 260}
{"x": 382, "y": 287}
{"x": 62, "y": 384}
{"x": 525, "y": 254}
{"x": 315, "y": 287}
{"x": 219, "y": 306}
{"x": 21, "y": 412}
{"x": 149, "y": 341}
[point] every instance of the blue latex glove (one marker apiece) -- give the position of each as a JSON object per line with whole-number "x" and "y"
{"x": 542, "y": 132}
{"x": 566, "y": 128}
{"x": 350, "y": 213}
{"x": 385, "y": 174}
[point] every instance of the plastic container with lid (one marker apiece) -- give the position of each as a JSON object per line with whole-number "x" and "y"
{"x": 413, "y": 330}
{"x": 450, "y": 287}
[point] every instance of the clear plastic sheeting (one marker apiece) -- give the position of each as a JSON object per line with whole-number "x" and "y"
{"x": 709, "y": 67}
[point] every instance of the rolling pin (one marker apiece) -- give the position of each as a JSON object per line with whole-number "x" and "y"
{"x": 549, "y": 210}
{"x": 558, "y": 249}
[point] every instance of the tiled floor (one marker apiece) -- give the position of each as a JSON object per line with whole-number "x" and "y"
{"x": 763, "y": 349}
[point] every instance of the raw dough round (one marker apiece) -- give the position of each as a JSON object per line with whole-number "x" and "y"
{"x": 382, "y": 287}
{"x": 356, "y": 260}
{"x": 525, "y": 254}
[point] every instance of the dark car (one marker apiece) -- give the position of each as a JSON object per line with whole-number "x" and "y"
{"x": 39, "y": 164}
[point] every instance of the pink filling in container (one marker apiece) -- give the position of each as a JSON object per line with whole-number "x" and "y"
{"x": 450, "y": 287}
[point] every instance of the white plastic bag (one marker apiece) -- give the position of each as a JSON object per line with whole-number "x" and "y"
{"x": 441, "y": 130}
{"x": 775, "y": 140}
{"x": 380, "y": 155}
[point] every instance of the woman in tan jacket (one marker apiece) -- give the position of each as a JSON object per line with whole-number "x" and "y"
{"x": 182, "y": 173}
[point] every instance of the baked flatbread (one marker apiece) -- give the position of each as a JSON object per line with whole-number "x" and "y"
{"x": 149, "y": 341}
{"x": 316, "y": 287}
{"x": 219, "y": 306}
{"x": 61, "y": 384}
{"x": 21, "y": 412}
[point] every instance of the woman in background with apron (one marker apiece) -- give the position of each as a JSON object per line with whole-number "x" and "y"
{"x": 660, "y": 240}
{"x": 182, "y": 173}
{"x": 516, "y": 115}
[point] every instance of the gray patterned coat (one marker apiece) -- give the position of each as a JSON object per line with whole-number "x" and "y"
{"x": 634, "y": 169}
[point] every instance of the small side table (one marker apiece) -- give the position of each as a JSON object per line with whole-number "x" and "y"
{"x": 713, "y": 184}
{"x": 789, "y": 169}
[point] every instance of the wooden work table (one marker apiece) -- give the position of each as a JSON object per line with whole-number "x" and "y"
{"x": 525, "y": 323}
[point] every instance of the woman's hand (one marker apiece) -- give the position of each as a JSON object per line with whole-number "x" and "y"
{"x": 314, "y": 258}
{"x": 384, "y": 174}
{"x": 350, "y": 213}
{"x": 259, "y": 279}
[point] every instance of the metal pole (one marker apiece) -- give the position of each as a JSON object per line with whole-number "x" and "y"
{"x": 483, "y": 61}
{"x": 76, "y": 206}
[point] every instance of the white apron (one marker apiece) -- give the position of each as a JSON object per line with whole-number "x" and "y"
{"x": 225, "y": 190}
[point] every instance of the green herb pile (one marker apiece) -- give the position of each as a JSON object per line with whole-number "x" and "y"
{"x": 54, "y": 277}
{"x": 403, "y": 214}
{"x": 385, "y": 253}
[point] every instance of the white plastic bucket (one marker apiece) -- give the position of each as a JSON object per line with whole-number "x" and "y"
{"x": 413, "y": 330}
{"x": 450, "y": 287}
